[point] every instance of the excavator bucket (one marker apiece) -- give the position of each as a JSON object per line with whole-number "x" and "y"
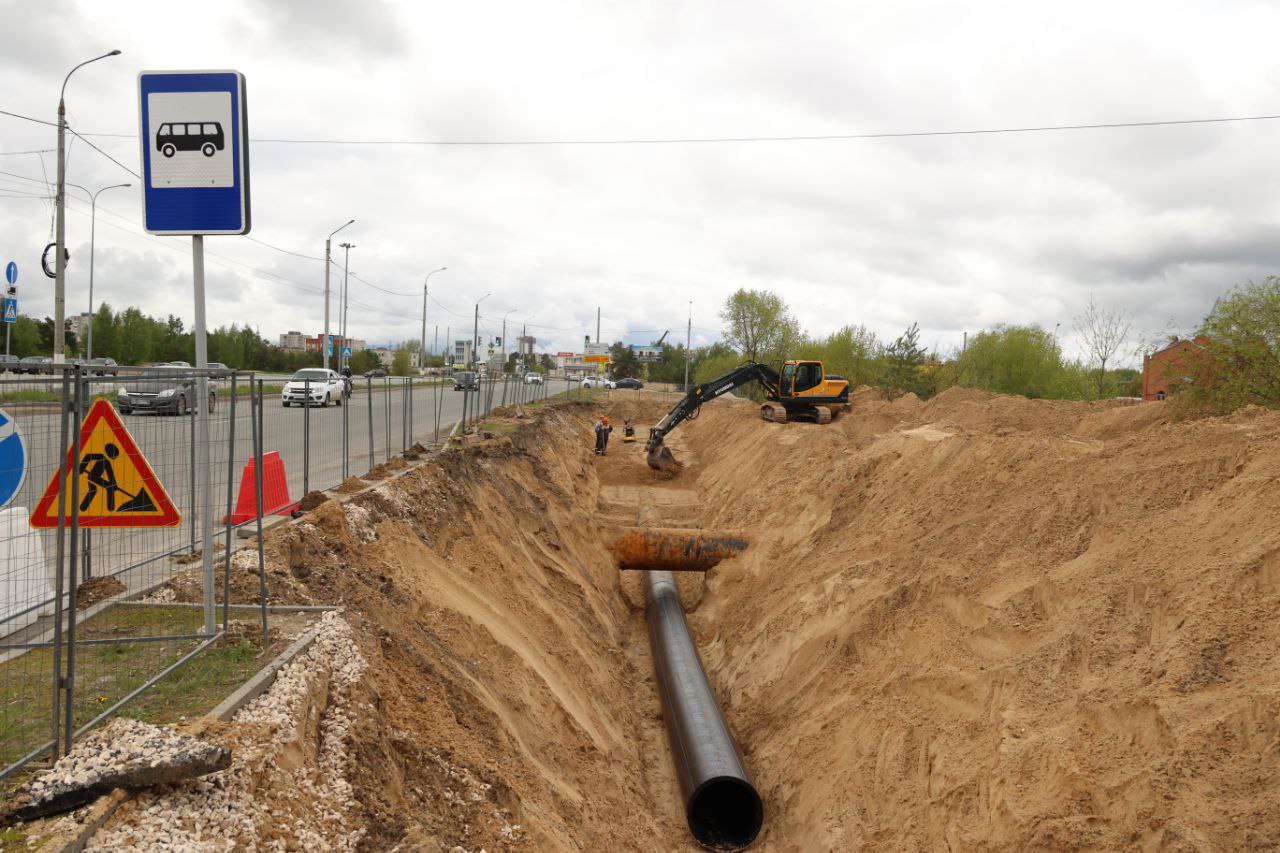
{"x": 661, "y": 459}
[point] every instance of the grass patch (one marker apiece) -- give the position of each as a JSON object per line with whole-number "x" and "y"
{"x": 498, "y": 427}
{"x": 106, "y": 672}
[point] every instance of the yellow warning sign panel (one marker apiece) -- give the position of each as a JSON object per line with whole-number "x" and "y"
{"x": 117, "y": 488}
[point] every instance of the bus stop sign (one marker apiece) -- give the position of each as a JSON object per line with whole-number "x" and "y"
{"x": 195, "y": 152}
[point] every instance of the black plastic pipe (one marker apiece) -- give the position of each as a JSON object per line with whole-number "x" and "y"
{"x": 721, "y": 805}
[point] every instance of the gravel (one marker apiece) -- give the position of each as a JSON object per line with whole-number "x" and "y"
{"x": 276, "y": 795}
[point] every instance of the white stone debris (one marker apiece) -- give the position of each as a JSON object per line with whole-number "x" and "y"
{"x": 246, "y": 560}
{"x": 359, "y": 521}
{"x": 268, "y": 799}
{"x": 163, "y": 595}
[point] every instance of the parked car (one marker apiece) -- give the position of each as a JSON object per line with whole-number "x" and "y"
{"x": 376, "y": 373}
{"x": 9, "y": 363}
{"x": 102, "y": 367}
{"x": 465, "y": 381}
{"x": 161, "y": 392}
{"x": 35, "y": 364}
{"x": 533, "y": 379}
{"x": 597, "y": 382}
{"x": 218, "y": 370}
{"x": 628, "y": 382}
{"x": 324, "y": 387}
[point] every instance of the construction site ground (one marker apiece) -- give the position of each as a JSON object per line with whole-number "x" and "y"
{"x": 975, "y": 622}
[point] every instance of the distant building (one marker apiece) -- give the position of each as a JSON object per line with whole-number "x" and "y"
{"x": 293, "y": 341}
{"x": 385, "y": 355}
{"x": 78, "y": 325}
{"x": 462, "y": 352}
{"x": 313, "y": 344}
{"x": 525, "y": 343}
{"x": 1165, "y": 369}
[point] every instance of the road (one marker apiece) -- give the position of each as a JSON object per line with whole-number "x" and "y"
{"x": 310, "y": 442}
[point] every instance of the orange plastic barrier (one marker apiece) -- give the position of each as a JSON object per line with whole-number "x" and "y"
{"x": 275, "y": 490}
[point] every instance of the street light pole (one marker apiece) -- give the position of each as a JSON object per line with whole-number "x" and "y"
{"x": 688, "y": 342}
{"x": 504, "y": 338}
{"x": 422, "y": 353}
{"x": 524, "y": 333}
{"x": 324, "y": 341}
{"x": 342, "y": 318}
{"x": 93, "y": 227}
{"x": 475, "y": 336}
{"x": 60, "y": 238}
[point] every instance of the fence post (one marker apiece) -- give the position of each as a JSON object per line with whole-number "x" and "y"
{"x": 410, "y": 404}
{"x": 86, "y": 553}
{"x": 386, "y": 412}
{"x": 74, "y": 475}
{"x": 191, "y": 517}
{"x": 58, "y": 578}
{"x": 231, "y": 482}
{"x": 306, "y": 436}
{"x": 404, "y": 415}
{"x": 369, "y": 380}
{"x": 258, "y": 440}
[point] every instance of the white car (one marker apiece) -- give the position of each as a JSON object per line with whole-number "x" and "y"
{"x": 324, "y": 386}
{"x": 597, "y": 382}
{"x": 533, "y": 379}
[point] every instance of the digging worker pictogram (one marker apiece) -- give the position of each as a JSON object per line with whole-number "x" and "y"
{"x": 101, "y": 474}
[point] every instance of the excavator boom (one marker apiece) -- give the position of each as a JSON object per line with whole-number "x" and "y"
{"x": 660, "y": 457}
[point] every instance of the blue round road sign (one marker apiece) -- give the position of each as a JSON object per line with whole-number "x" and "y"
{"x": 11, "y": 273}
{"x": 13, "y": 458}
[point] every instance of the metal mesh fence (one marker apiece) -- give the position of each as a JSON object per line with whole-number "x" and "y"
{"x": 143, "y": 597}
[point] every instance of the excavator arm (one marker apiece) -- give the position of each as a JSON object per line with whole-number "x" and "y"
{"x": 687, "y": 407}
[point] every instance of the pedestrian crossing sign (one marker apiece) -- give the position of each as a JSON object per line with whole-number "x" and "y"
{"x": 113, "y": 487}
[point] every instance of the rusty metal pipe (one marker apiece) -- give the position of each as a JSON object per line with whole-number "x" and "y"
{"x": 672, "y": 549}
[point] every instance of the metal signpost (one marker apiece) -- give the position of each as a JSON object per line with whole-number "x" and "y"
{"x": 195, "y": 181}
{"x": 10, "y": 302}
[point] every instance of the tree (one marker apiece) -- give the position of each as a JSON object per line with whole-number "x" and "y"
{"x": 1102, "y": 332}
{"x": 401, "y": 363}
{"x": 1240, "y": 360}
{"x": 903, "y": 360}
{"x": 1012, "y": 360}
{"x": 758, "y": 325}
{"x": 852, "y": 352}
{"x": 624, "y": 361}
{"x": 363, "y": 361}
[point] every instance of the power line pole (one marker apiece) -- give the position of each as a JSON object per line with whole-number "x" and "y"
{"x": 688, "y": 342}
{"x": 342, "y": 319}
{"x": 324, "y": 342}
{"x": 597, "y": 324}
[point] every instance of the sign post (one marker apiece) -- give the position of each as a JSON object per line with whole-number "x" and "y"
{"x": 10, "y": 303}
{"x": 195, "y": 181}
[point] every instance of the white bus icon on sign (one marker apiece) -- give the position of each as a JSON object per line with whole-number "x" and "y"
{"x": 205, "y": 137}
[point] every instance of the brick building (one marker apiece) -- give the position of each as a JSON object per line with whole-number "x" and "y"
{"x": 1166, "y": 368}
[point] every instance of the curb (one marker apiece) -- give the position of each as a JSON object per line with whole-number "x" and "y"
{"x": 256, "y": 686}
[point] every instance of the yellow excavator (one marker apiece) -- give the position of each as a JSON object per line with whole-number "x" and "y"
{"x": 803, "y": 390}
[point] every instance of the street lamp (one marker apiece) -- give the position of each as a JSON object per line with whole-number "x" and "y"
{"x": 422, "y": 353}
{"x": 504, "y": 339}
{"x": 342, "y": 318}
{"x": 60, "y": 261}
{"x": 324, "y": 344}
{"x": 93, "y": 227}
{"x": 475, "y": 335}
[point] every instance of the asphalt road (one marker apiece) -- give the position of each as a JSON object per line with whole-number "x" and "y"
{"x": 310, "y": 442}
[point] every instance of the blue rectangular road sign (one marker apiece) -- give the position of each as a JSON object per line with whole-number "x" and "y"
{"x": 195, "y": 152}
{"x": 10, "y": 310}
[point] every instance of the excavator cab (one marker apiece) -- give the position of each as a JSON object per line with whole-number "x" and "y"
{"x": 799, "y": 377}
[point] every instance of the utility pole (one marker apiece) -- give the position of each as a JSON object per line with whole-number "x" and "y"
{"x": 597, "y": 324}
{"x": 688, "y": 342}
{"x": 93, "y": 227}
{"x": 324, "y": 339}
{"x": 422, "y": 353}
{"x": 342, "y": 319}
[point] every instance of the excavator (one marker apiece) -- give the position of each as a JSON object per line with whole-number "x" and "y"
{"x": 802, "y": 391}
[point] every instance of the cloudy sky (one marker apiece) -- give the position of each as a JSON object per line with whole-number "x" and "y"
{"x": 956, "y": 232}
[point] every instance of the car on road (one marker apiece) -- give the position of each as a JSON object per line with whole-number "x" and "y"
{"x": 628, "y": 382}
{"x": 376, "y": 373}
{"x": 218, "y": 370}
{"x": 161, "y": 392}
{"x": 9, "y": 363}
{"x": 313, "y": 386}
{"x": 102, "y": 367}
{"x": 597, "y": 382}
{"x": 465, "y": 381}
{"x": 35, "y": 364}
{"x": 533, "y": 379}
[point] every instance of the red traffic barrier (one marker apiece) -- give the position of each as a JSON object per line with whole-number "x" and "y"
{"x": 275, "y": 490}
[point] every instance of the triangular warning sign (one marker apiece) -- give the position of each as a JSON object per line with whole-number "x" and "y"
{"x": 117, "y": 486}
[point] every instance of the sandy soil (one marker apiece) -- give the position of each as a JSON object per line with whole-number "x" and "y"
{"x": 978, "y": 622}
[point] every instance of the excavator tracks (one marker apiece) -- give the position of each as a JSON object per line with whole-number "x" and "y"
{"x": 822, "y": 414}
{"x": 774, "y": 413}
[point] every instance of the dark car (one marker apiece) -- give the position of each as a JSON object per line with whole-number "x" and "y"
{"x": 376, "y": 373}
{"x": 9, "y": 363}
{"x": 465, "y": 381}
{"x": 162, "y": 392}
{"x": 34, "y": 364}
{"x": 628, "y": 382}
{"x": 102, "y": 367}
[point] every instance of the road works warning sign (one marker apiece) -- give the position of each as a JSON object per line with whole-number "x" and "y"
{"x": 117, "y": 486}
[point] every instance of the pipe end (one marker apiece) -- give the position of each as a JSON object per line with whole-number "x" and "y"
{"x": 725, "y": 813}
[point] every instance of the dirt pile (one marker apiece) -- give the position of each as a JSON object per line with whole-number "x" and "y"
{"x": 985, "y": 620}
{"x": 977, "y": 621}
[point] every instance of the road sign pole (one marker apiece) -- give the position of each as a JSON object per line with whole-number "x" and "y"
{"x": 202, "y": 435}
